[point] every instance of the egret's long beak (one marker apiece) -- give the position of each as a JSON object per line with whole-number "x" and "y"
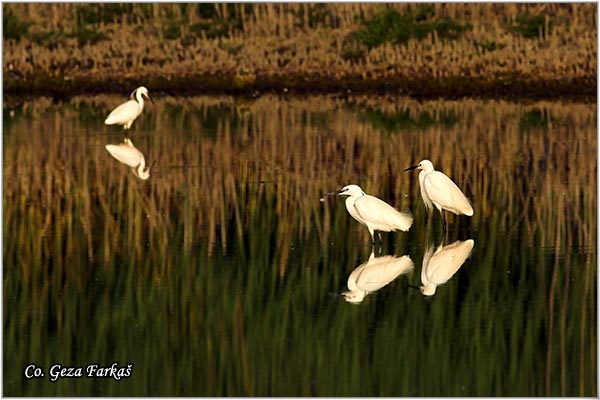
{"x": 152, "y": 166}
{"x": 322, "y": 199}
{"x": 411, "y": 168}
{"x": 414, "y": 286}
{"x": 149, "y": 98}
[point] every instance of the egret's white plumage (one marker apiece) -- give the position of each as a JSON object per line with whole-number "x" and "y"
{"x": 127, "y": 112}
{"x": 440, "y": 266}
{"x": 374, "y": 274}
{"x": 375, "y": 214}
{"x": 440, "y": 191}
{"x": 128, "y": 154}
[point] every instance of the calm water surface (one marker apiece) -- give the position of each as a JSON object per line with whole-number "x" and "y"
{"x": 223, "y": 273}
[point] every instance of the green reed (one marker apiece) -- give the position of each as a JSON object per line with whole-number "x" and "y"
{"x": 219, "y": 275}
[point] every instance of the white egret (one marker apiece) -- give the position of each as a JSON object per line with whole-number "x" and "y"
{"x": 374, "y": 213}
{"x": 440, "y": 266}
{"x": 129, "y": 155}
{"x": 441, "y": 191}
{"x": 127, "y": 112}
{"x": 374, "y": 274}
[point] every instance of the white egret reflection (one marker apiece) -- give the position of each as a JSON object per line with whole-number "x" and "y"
{"x": 441, "y": 265}
{"x": 374, "y": 274}
{"x": 128, "y": 154}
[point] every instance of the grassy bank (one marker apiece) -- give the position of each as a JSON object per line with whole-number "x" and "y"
{"x": 451, "y": 50}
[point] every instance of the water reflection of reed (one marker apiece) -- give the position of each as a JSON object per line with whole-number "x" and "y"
{"x": 250, "y": 175}
{"x": 218, "y": 158}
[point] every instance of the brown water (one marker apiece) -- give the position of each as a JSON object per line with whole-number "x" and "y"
{"x": 223, "y": 273}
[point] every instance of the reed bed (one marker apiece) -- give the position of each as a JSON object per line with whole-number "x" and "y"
{"x": 199, "y": 48}
{"x": 236, "y": 179}
{"x": 249, "y": 154}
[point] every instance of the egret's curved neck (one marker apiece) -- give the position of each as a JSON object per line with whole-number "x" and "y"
{"x": 141, "y": 170}
{"x": 350, "y": 202}
{"x": 139, "y": 98}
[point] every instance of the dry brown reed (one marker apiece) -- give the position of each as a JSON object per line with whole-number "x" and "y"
{"x": 279, "y": 46}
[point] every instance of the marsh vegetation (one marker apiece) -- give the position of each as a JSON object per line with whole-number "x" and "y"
{"x": 221, "y": 274}
{"x": 536, "y": 50}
